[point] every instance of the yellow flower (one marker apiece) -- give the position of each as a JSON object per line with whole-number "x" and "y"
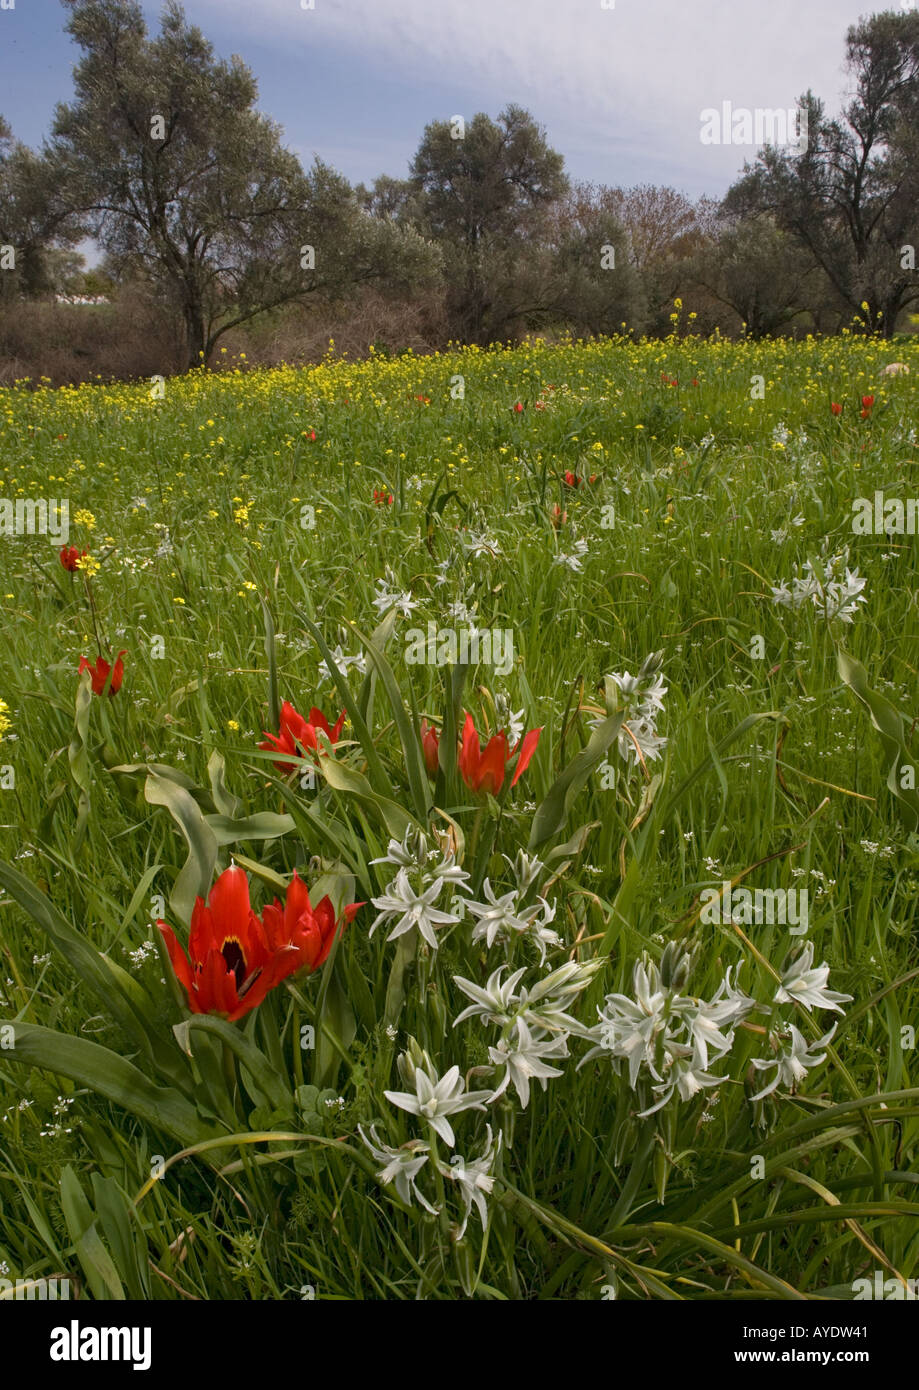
{"x": 84, "y": 518}
{"x": 233, "y": 725}
{"x": 5, "y": 722}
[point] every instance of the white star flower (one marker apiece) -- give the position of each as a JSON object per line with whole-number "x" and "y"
{"x": 437, "y": 1097}
{"x": 806, "y": 984}
{"x": 400, "y": 1166}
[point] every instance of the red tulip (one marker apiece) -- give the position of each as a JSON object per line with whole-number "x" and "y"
{"x": 430, "y": 745}
{"x": 867, "y": 403}
{"x": 235, "y": 958}
{"x": 297, "y": 734}
{"x": 572, "y": 479}
{"x": 99, "y": 673}
{"x": 69, "y": 557}
{"x": 484, "y": 769}
{"x": 558, "y": 517}
{"x": 836, "y": 407}
{"x": 381, "y": 497}
{"x": 518, "y": 408}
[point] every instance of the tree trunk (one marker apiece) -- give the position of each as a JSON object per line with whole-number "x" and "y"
{"x": 195, "y": 333}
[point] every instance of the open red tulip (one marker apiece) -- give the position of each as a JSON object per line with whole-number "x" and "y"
{"x": 484, "y": 769}
{"x": 99, "y": 673}
{"x": 236, "y": 958}
{"x": 298, "y": 734}
{"x": 70, "y": 556}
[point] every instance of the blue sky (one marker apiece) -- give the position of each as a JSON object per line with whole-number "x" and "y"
{"x": 620, "y": 90}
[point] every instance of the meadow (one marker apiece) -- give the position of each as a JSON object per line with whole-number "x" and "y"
{"x": 604, "y": 1084}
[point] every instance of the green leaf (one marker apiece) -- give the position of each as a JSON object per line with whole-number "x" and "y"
{"x": 408, "y": 730}
{"x": 104, "y": 978}
{"x": 195, "y": 877}
{"x": 375, "y": 767}
{"x": 552, "y": 812}
{"x": 573, "y": 846}
{"x": 227, "y": 804}
{"x": 97, "y": 1263}
{"x": 380, "y": 638}
{"x": 78, "y": 757}
{"x": 352, "y": 783}
{"x": 272, "y": 1086}
{"x": 264, "y": 825}
{"x": 110, "y": 1076}
{"x": 890, "y": 725}
{"x": 117, "y": 1216}
{"x": 335, "y": 1033}
{"x": 274, "y": 699}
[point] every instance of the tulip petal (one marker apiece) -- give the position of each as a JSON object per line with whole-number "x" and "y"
{"x": 527, "y": 749}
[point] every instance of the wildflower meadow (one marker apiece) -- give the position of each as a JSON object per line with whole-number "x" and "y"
{"x": 458, "y": 822}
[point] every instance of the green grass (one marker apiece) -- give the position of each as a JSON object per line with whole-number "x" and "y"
{"x": 705, "y": 497}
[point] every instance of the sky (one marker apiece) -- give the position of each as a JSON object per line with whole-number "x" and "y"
{"x": 619, "y": 85}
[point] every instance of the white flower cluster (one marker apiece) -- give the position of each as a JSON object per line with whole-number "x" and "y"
{"x": 535, "y": 1025}
{"x": 832, "y": 595}
{"x": 641, "y": 698}
{"x": 410, "y": 899}
{"x": 574, "y": 561}
{"x": 671, "y": 1039}
{"x": 499, "y": 919}
{"x": 390, "y": 594}
{"x": 666, "y": 1036}
{"x": 434, "y": 1099}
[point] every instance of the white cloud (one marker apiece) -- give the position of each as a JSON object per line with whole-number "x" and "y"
{"x": 620, "y": 90}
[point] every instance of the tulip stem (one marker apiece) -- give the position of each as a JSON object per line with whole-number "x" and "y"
{"x": 476, "y": 831}
{"x": 229, "y": 1071}
{"x": 298, "y": 1052}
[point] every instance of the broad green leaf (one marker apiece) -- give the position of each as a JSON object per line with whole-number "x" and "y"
{"x": 97, "y": 1263}
{"x": 227, "y": 804}
{"x": 552, "y": 812}
{"x": 195, "y": 877}
{"x": 352, "y": 783}
{"x": 891, "y": 727}
{"x": 110, "y": 1076}
{"x": 264, "y": 825}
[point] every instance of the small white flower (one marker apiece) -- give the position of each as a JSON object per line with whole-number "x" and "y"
{"x": 795, "y": 1059}
{"x": 497, "y": 915}
{"x": 412, "y": 908}
{"x": 806, "y": 984}
{"x": 523, "y": 1057}
{"x": 437, "y": 1097}
{"x": 475, "y": 1179}
{"x": 401, "y": 1166}
{"x": 573, "y": 561}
